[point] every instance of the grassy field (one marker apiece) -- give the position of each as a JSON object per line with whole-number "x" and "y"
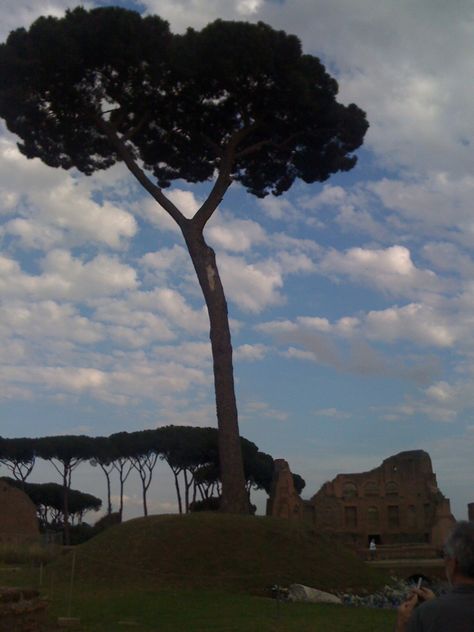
{"x": 199, "y": 611}
{"x": 114, "y": 609}
{"x": 203, "y": 573}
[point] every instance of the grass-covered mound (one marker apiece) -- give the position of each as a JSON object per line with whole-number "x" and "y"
{"x": 215, "y": 550}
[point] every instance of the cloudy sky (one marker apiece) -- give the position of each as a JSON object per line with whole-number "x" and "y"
{"x": 351, "y": 302}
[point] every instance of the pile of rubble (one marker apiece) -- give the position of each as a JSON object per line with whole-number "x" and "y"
{"x": 22, "y": 610}
{"x": 389, "y": 597}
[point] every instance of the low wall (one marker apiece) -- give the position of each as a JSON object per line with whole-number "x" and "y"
{"x": 402, "y": 552}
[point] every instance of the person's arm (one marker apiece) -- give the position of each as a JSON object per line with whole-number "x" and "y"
{"x": 404, "y": 613}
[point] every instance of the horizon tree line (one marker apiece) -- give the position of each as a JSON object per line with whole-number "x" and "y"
{"x": 191, "y": 453}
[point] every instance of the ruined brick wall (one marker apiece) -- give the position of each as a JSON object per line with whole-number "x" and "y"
{"x": 18, "y": 521}
{"x": 395, "y": 503}
{"x": 284, "y": 501}
{"x": 443, "y": 523}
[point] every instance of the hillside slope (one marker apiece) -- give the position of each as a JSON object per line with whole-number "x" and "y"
{"x": 217, "y": 550}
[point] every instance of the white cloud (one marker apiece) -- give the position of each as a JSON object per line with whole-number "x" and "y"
{"x": 251, "y": 286}
{"x": 131, "y": 326}
{"x": 58, "y": 379}
{"x": 174, "y": 307}
{"x": 279, "y": 209}
{"x": 248, "y": 7}
{"x": 390, "y": 270}
{"x": 197, "y": 13}
{"x": 185, "y": 200}
{"x": 441, "y": 392}
{"x": 48, "y": 319}
{"x": 415, "y": 410}
{"x": 294, "y": 263}
{"x": 255, "y": 410}
{"x": 332, "y": 413}
{"x": 250, "y": 353}
{"x": 438, "y": 201}
{"x": 66, "y": 277}
{"x": 166, "y": 258}
{"x": 342, "y": 345}
{"x": 236, "y": 235}
{"x": 54, "y": 208}
{"x": 16, "y": 14}
{"x": 196, "y": 354}
{"x": 345, "y": 326}
{"x": 397, "y": 63}
{"x": 448, "y": 257}
{"x": 418, "y": 323}
{"x": 131, "y": 379}
{"x": 329, "y": 196}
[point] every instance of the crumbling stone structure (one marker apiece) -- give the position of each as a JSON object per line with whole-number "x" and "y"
{"x": 284, "y": 500}
{"x": 470, "y": 512}
{"x": 18, "y": 520}
{"x": 398, "y": 502}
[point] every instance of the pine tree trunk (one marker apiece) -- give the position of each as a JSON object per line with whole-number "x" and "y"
{"x": 178, "y": 491}
{"x": 145, "y": 506}
{"x": 234, "y": 498}
{"x": 66, "y": 533}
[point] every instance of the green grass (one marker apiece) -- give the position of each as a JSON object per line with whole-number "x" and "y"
{"x": 199, "y": 611}
{"x": 100, "y": 609}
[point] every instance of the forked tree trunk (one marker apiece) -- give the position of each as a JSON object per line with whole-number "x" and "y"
{"x": 109, "y": 490}
{"x": 234, "y": 498}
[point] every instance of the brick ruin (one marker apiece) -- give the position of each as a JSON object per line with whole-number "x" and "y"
{"x": 284, "y": 500}
{"x": 397, "y": 503}
{"x": 18, "y": 520}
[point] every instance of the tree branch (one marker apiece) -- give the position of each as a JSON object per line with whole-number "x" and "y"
{"x": 252, "y": 149}
{"x": 222, "y": 183}
{"x": 131, "y": 133}
{"x": 129, "y": 160}
{"x": 224, "y": 178}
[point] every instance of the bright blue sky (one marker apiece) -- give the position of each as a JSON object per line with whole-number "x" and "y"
{"x": 351, "y": 302}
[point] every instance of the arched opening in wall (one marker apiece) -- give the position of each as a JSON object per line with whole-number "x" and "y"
{"x": 393, "y": 515}
{"x": 350, "y": 517}
{"x": 371, "y": 489}
{"x": 391, "y": 489}
{"x": 349, "y": 490}
{"x": 411, "y": 517}
{"x": 373, "y": 518}
{"x": 413, "y": 579}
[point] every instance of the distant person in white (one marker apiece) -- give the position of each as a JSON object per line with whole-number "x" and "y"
{"x": 372, "y": 549}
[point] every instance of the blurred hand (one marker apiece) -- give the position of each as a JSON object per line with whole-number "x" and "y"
{"x": 405, "y": 610}
{"x": 424, "y": 594}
